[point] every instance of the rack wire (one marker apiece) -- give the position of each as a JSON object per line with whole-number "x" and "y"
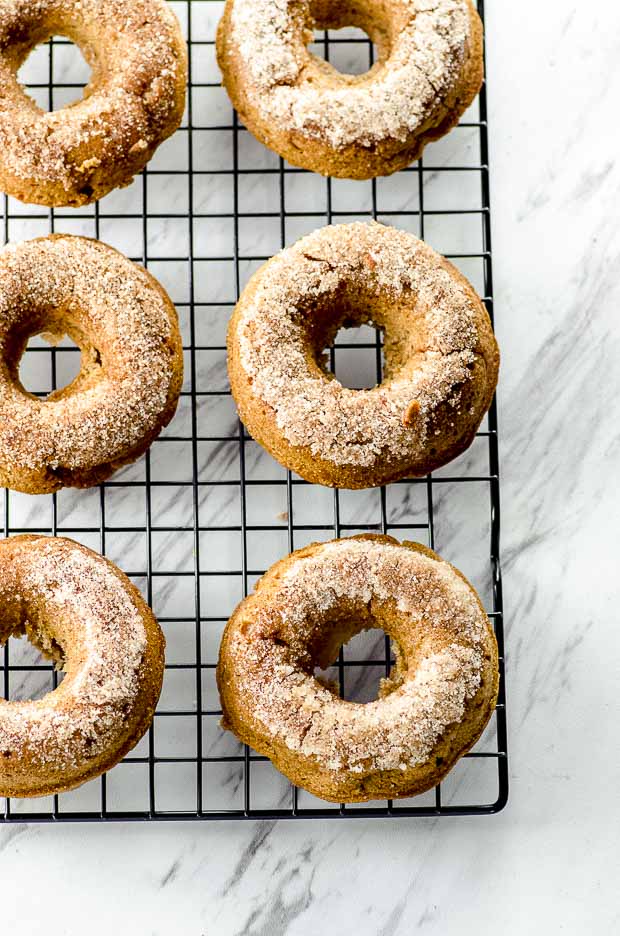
{"x": 197, "y": 520}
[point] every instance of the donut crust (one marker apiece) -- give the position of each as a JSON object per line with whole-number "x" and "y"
{"x": 261, "y": 624}
{"x": 309, "y": 146}
{"x": 74, "y": 734}
{"x": 409, "y": 424}
{"x": 131, "y": 354}
{"x": 133, "y": 102}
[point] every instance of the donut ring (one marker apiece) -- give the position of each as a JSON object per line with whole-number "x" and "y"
{"x": 431, "y": 710}
{"x": 132, "y": 362}
{"x": 134, "y": 100}
{"x": 429, "y": 70}
{"x": 441, "y": 359}
{"x": 82, "y": 612}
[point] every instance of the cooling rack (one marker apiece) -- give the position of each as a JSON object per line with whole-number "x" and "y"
{"x": 197, "y": 520}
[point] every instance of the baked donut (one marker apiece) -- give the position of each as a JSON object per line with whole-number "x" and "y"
{"x": 429, "y": 70}
{"x": 132, "y": 362}
{"x": 134, "y": 100}
{"x": 441, "y": 359}
{"x": 83, "y": 613}
{"x": 431, "y": 709}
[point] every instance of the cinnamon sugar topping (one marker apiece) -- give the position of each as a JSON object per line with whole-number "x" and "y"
{"x": 121, "y": 318}
{"x": 395, "y": 418}
{"x": 93, "y": 618}
{"x": 274, "y": 676}
{"x": 290, "y": 89}
{"x": 134, "y": 100}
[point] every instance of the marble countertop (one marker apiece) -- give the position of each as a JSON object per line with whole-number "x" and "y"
{"x": 548, "y": 862}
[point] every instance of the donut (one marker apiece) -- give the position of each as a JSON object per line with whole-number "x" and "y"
{"x": 131, "y": 366}
{"x": 429, "y": 69}
{"x": 83, "y": 613}
{"x": 441, "y": 359}
{"x": 134, "y": 100}
{"x": 430, "y": 711}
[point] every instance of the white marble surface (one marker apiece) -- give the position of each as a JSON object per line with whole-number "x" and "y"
{"x": 549, "y": 862}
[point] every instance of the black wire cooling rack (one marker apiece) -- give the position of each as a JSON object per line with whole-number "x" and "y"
{"x": 197, "y": 520}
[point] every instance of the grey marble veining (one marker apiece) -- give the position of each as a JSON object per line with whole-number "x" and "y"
{"x": 549, "y": 862}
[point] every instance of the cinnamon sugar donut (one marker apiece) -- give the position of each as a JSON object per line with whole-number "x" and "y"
{"x": 134, "y": 100}
{"x": 431, "y": 709}
{"x": 441, "y": 359}
{"x": 132, "y": 362}
{"x": 83, "y": 613}
{"x": 429, "y": 70}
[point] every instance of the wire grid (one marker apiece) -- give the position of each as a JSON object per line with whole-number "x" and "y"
{"x": 197, "y": 520}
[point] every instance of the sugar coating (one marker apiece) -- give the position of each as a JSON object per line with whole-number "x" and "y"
{"x": 123, "y": 314}
{"x": 393, "y": 733}
{"x": 104, "y": 640}
{"x": 344, "y": 426}
{"x": 424, "y": 65}
{"x": 135, "y": 43}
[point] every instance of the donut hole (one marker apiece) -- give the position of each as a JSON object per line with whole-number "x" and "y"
{"x": 356, "y": 356}
{"x": 350, "y": 39}
{"x": 361, "y": 339}
{"x": 55, "y": 73}
{"x": 52, "y": 362}
{"x": 350, "y": 50}
{"x": 362, "y": 678}
{"x": 34, "y": 663}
